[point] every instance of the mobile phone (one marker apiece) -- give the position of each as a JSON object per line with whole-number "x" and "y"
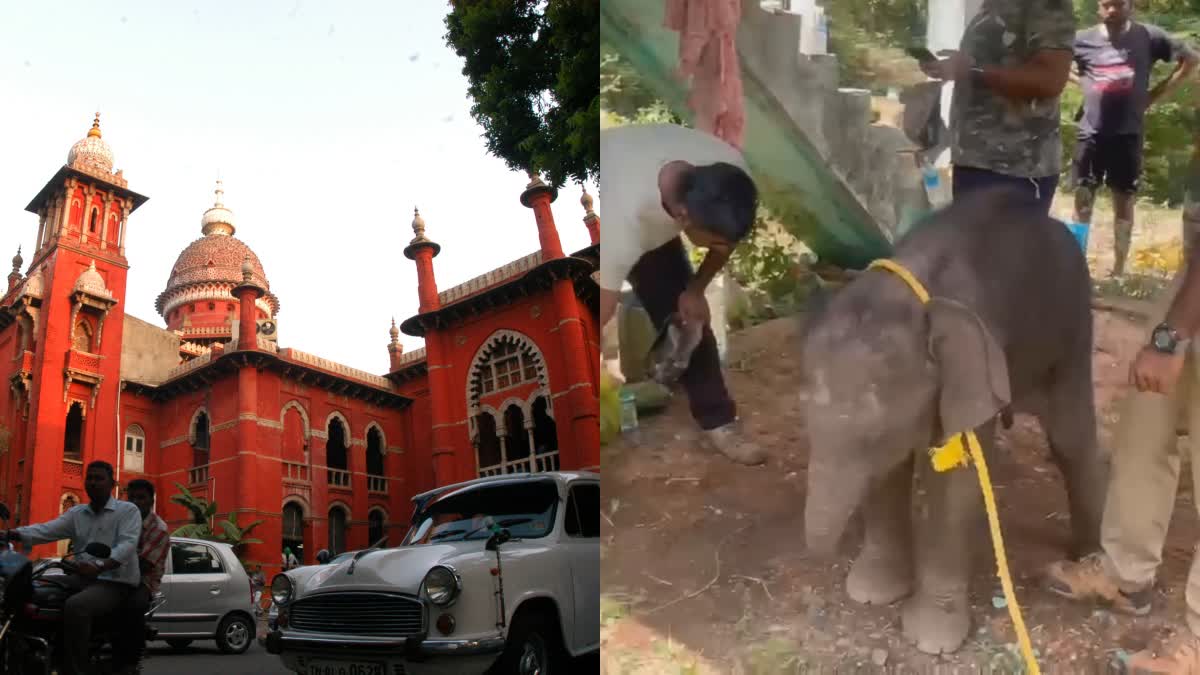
{"x": 921, "y": 54}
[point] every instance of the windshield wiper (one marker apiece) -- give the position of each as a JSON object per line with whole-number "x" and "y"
{"x": 446, "y": 533}
{"x": 504, "y": 523}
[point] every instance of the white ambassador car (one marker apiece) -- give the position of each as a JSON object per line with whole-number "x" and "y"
{"x": 498, "y": 574}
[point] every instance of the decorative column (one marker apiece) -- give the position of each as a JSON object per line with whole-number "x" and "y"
{"x": 590, "y": 219}
{"x": 395, "y": 349}
{"x": 538, "y": 196}
{"x": 422, "y": 250}
{"x": 583, "y": 409}
{"x": 247, "y": 419}
{"x": 14, "y": 277}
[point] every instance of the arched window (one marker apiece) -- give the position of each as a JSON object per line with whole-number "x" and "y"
{"x": 293, "y": 524}
{"x": 73, "y": 443}
{"x": 201, "y": 429}
{"x": 135, "y": 447}
{"x": 83, "y": 337}
{"x": 374, "y": 452}
{"x": 336, "y": 454}
{"x": 337, "y": 530}
{"x": 376, "y": 528}
{"x": 92, "y": 224}
{"x": 507, "y": 366}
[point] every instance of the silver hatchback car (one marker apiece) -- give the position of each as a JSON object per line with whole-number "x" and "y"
{"x": 208, "y": 596}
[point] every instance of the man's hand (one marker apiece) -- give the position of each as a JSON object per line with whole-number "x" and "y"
{"x": 1155, "y": 371}
{"x": 693, "y": 307}
{"x": 954, "y": 66}
{"x": 88, "y": 570}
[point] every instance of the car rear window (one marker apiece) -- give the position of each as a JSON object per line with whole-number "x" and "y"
{"x": 194, "y": 559}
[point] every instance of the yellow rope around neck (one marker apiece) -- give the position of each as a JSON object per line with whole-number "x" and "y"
{"x": 954, "y": 454}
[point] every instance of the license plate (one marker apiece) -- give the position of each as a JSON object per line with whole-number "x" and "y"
{"x": 344, "y": 668}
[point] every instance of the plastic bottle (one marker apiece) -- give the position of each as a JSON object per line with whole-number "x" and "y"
{"x": 629, "y": 420}
{"x": 935, "y": 187}
{"x": 1080, "y": 230}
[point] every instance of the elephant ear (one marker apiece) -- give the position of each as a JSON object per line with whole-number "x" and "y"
{"x": 973, "y": 370}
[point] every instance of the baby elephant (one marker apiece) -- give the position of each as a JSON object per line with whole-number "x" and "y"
{"x": 886, "y": 377}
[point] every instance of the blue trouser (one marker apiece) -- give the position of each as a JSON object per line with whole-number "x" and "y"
{"x": 1040, "y": 190}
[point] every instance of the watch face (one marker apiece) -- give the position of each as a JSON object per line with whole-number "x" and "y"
{"x": 1162, "y": 339}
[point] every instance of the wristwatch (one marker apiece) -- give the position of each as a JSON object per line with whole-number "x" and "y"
{"x": 1165, "y": 339}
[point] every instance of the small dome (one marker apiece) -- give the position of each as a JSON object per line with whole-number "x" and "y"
{"x": 393, "y": 331}
{"x": 33, "y": 284}
{"x": 92, "y": 283}
{"x": 17, "y": 260}
{"x": 91, "y": 151}
{"x": 218, "y": 219}
{"x": 586, "y": 202}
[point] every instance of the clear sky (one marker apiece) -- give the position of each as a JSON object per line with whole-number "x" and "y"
{"x": 326, "y": 121}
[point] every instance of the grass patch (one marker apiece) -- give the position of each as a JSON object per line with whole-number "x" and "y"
{"x": 775, "y": 656}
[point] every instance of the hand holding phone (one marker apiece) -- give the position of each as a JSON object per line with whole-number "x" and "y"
{"x": 921, "y": 54}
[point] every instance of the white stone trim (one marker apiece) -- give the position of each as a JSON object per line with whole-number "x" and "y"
{"x": 191, "y": 429}
{"x": 483, "y": 355}
{"x": 496, "y": 276}
{"x": 303, "y": 416}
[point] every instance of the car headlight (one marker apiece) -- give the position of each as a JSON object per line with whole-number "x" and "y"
{"x": 442, "y": 585}
{"x": 281, "y": 590}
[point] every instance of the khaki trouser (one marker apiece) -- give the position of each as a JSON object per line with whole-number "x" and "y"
{"x": 1146, "y": 467}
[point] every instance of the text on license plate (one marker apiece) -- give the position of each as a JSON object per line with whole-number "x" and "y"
{"x": 352, "y": 668}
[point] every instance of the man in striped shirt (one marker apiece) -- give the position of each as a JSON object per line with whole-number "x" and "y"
{"x": 153, "y": 546}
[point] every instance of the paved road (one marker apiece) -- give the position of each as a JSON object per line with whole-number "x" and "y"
{"x": 203, "y": 658}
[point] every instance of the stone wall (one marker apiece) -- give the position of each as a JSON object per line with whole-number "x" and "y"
{"x": 148, "y": 353}
{"x": 873, "y": 161}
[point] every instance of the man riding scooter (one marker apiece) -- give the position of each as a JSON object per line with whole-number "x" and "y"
{"x": 108, "y": 582}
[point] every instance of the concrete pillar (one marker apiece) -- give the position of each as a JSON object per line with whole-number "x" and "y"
{"x": 538, "y": 196}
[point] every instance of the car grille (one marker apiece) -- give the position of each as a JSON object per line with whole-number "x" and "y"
{"x": 377, "y": 614}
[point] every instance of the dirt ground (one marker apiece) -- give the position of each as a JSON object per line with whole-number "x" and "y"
{"x": 704, "y": 563}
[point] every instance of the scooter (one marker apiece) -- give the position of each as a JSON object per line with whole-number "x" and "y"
{"x": 31, "y": 611}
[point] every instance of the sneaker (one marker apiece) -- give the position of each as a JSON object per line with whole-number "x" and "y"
{"x": 1089, "y": 580}
{"x": 1180, "y": 657}
{"x": 731, "y": 442}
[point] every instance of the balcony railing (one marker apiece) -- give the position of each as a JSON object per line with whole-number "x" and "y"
{"x": 295, "y": 472}
{"x": 377, "y": 484}
{"x": 547, "y": 461}
{"x": 339, "y": 478}
{"x": 83, "y": 362}
{"x": 198, "y": 475}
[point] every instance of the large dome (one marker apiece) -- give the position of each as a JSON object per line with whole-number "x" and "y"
{"x": 91, "y": 151}
{"x": 212, "y": 265}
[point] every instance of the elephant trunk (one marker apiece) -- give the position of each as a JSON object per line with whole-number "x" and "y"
{"x": 834, "y": 492}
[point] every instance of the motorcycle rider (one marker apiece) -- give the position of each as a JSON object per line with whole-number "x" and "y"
{"x": 106, "y": 520}
{"x": 153, "y": 547}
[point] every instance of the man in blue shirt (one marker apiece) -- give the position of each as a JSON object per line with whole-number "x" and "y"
{"x": 105, "y": 520}
{"x": 1114, "y": 60}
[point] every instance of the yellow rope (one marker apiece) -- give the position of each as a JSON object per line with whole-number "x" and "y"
{"x": 953, "y": 454}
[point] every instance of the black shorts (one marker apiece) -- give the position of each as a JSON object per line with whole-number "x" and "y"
{"x": 1115, "y": 160}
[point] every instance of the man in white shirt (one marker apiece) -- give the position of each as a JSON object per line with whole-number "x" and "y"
{"x": 661, "y": 181}
{"x": 106, "y": 520}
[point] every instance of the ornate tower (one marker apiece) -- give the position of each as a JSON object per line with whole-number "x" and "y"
{"x": 590, "y": 219}
{"x": 199, "y": 301}
{"x": 73, "y": 355}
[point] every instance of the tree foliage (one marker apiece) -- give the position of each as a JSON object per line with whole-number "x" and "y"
{"x": 532, "y": 68}
{"x": 202, "y": 512}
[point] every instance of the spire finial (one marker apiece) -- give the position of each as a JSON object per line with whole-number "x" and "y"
{"x": 418, "y": 224}
{"x": 17, "y": 261}
{"x": 586, "y": 201}
{"x": 95, "y": 130}
{"x": 394, "y": 332}
{"x": 219, "y": 192}
{"x": 247, "y": 269}
{"x": 534, "y": 180}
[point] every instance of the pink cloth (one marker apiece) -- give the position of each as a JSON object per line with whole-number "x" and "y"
{"x": 708, "y": 57}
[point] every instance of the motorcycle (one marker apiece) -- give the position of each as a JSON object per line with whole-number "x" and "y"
{"x": 32, "y": 597}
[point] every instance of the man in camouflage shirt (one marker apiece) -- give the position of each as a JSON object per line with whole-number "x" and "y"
{"x": 1011, "y": 66}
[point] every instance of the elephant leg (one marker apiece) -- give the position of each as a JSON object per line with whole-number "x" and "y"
{"x": 1070, "y": 425}
{"x": 882, "y": 573}
{"x": 937, "y": 617}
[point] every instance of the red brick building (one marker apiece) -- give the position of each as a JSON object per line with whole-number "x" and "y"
{"x": 327, "y": 455}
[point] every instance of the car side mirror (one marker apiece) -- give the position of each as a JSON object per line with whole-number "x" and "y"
{"x": 97, "y": 550}
{"x": 497, "y": 539}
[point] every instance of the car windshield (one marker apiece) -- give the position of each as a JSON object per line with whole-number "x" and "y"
{"x": 526, "y": 509}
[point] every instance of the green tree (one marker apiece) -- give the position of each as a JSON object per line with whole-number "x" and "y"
{"x": 532, "y": 68}
{"x": 202, "y": 512}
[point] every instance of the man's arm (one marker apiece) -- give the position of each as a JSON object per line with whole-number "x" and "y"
{"x": 1184, "y": 314}
{"x": 1044, "y": 75}
{"x": 608, "y": 306}
{"x": 1185, "y": 64}
{"x": 714, "y": 260}
{"x": 129, "y": 528}
{"x": 62, "y": 527}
